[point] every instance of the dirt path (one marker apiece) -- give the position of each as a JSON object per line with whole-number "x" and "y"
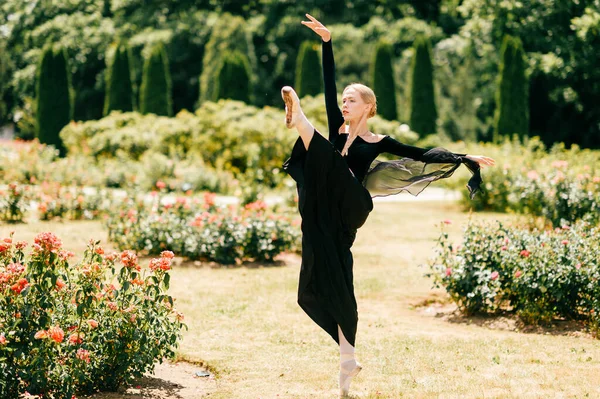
{"x": 169, "y": 381}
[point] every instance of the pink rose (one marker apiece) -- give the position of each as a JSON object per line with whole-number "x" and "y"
{"x": 494, "y": 275}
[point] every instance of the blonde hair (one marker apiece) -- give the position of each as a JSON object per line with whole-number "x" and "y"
{"x": 367, "y": 95}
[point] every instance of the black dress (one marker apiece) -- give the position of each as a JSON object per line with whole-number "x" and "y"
{"x": 335, "y": 200}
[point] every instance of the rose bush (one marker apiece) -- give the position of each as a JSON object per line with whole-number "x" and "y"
{"x": 79, "y": 329}
{"x": 559, "y": 185}
{"x": 540, "y": 275}
{"x": 14, "y": 202}
{"x": 202, "y": 230}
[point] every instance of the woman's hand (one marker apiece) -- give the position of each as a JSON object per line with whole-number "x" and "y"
{"x": 317, "y": 27}
{"x": 481, "y": 160}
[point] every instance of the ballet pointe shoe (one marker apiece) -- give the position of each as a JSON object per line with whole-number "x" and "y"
{"x": 292, "y": 106}
{"x": 346, "y": 375}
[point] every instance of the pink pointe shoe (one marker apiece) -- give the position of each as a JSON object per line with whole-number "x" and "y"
{"x": 349, "y": 370}
{"x": 292, "y": 106}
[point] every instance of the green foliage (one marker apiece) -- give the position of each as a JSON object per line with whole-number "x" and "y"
{"x": 5, "y": 71}
{"x": 155, "y": 92}
{"x": 53, "y": 110}
{"x": 309, "y": 78}
{"x": 81, "y": 328}
{"x": 383, "y": 81}
{"x": 228, "y": 34}
{"x": 119, "y": 90}
{"x": 423, "y": 111}
{"x": 512, "y": 111}
{"x": 228, "y": 136}
{"x": 234, "y": 78}
{"x": 540, "y": 275}
{"x": 559, "y": 38}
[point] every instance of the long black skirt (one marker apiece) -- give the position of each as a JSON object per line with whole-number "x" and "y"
{"x": 333, "y": 204}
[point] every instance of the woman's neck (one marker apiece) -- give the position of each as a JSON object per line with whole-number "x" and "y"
{"x": 357, "y": 129}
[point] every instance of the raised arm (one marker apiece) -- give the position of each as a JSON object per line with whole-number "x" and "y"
{"x": 335, "y": 118}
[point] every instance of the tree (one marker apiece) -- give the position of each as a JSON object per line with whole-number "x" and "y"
{"x": 423, "y": 112}
{"x": 234, "y": 77}
{"x": 383, "y": 81}
{"x": 309, "y": 79}
{"x": 119, "y": 90}
{"x": 5, "y": 67}
{"x": 53, "y": 97}
{"x": 106, "y": 12}
{"x": 155, "y": 92}
{"x": 512, "y": 104}
{"x": 229, "y": 34}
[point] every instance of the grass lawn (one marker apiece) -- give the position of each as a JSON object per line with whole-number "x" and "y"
{"x": 244, "y": 323}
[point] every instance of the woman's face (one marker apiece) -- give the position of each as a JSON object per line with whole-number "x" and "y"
{"x": 353, "y": 106}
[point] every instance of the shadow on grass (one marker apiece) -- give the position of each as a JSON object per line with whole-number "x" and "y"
{"x": 146, "y": 388}
{"x": 282, "y": 260}
{"x": 441, "y": 308}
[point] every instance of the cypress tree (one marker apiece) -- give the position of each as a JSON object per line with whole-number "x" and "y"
{"x": 540, "y": 107}
{"x": 228, "y": 34}
{"x": 512, "y": 104}
{"x": 383, "y": 81}
{"x": 119, "y": 90}
{"x": 423, "y": 112}
{"x": 54, "y": 108}
{"x": 234, "y": 77}
{"x": 106, "y": 12}
{"x": 309, "y": 79}
{"x": 155, "y": 92}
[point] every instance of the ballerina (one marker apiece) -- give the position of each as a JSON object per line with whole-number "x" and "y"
{"x": 336, "y": 180}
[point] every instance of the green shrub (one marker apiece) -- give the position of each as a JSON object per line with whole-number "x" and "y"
{"x": 119, "y": 90}
{"x": 53, "y": 109}
{"x": 234, "y": 78}
{"x": 561, "y": 186}
{"x": 423, "y": 111}
{"x": 155, "y": 92}
{"x": 309, "y": 78}
{"x": 14, "y": 203}
{"x": 383, "y": 81}
{"x": 512, "y": 103}
{"x": 540, "y": 275}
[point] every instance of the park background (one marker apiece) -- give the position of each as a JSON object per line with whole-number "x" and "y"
{"x": 158, "y": 126}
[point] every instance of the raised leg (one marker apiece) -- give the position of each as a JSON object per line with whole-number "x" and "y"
{"x": 294, "y": 117}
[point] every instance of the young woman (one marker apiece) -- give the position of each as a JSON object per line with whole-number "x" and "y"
{"x": 336, "y": 180}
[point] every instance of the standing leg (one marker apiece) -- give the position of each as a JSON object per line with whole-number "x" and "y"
{"x": 349, "y": 367}
{"x": 294, "y": 117}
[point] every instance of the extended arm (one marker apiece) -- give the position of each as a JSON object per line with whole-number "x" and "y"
{"x": 394, "y": 147}
{"x": 335, "y": 118}
{"x": 334, "y": 115}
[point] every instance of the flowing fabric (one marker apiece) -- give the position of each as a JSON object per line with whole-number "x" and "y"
{"x": 333, "y": 205}
{"x": 392, "y": 177}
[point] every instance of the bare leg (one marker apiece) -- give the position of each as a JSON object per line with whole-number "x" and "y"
{"x": 349, "y": 367}
{"x": 294, "y": 117}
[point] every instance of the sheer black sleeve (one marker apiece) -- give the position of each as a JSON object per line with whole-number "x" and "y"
{"x": 335, "y": 118}
{"x": 417, "y": 168}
